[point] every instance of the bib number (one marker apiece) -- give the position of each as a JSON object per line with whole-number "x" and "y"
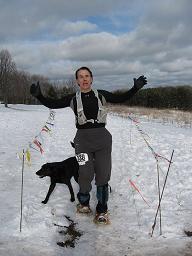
{"x": 82, "y": 158}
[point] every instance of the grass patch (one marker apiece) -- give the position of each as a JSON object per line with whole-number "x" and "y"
{"x": 176, "y": 117}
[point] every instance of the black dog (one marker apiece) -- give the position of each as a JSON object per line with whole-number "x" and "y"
{"x": 60, "y": 172}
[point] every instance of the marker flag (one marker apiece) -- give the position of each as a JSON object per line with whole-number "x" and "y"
{"x": 38, "y": 142}
{"x": 156, "y": 155}
{"x": 134, "y": 186}
{"x": 28, "y": 156}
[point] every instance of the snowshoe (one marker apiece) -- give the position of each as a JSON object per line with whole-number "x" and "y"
{"x": 84, "y": 209}
{"x": 102, "y": 218}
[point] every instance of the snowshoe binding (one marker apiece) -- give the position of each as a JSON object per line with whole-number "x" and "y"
{"x": 102, "y": 218}
{"x": 83, "y": 209}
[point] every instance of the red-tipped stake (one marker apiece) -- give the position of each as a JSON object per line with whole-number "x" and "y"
{"x": 159, "y": 205}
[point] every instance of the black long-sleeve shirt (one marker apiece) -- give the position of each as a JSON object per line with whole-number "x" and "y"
{"x": 90, "y": 103}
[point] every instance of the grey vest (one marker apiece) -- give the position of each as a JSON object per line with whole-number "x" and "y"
{"x": 81, "y": 118}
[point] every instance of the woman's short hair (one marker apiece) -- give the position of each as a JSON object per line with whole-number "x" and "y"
{"x": 83, "y": 68}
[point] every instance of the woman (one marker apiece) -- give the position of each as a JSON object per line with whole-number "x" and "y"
{"x": 93, "y": 142}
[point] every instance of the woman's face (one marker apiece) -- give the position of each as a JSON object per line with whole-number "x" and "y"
{"x": 84, "y": 80}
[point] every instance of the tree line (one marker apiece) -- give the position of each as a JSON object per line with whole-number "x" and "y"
{"x": 170, "y": 97}
{"x": 15, "y": 89}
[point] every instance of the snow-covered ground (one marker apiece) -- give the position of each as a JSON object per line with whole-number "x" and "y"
{"x": 131, "y": 218}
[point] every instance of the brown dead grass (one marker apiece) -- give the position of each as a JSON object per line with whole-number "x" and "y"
{"x": 177, "y": 117}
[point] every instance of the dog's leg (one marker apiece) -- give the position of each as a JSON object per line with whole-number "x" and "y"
{"x": 76, "y": 176}
{"x": 71, "y": 191}
{"x": 51, "y": 188}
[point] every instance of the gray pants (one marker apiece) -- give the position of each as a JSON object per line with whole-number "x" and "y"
{"x": 93, "y": 149}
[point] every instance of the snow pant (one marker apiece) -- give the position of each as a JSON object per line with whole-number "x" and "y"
{"x": 93, "y": 150}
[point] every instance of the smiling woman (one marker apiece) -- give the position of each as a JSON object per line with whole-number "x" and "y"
{"x": 93, "y": 142}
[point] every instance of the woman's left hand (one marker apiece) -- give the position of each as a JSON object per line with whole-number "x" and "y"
{"x": 140, "y": 82}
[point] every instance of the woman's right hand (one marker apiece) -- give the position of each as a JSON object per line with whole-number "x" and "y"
{"x": 35, "y": 89}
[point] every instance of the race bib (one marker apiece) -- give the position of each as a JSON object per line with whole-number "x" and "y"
{"x": 82, "y": 158}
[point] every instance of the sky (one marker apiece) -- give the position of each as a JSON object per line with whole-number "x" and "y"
{"x": 117, "y": 40}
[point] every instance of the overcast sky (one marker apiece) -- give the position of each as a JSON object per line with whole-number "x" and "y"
{"x": 118, "y": 40}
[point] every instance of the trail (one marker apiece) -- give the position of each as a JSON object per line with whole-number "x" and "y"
{"x": 132, "y": 159}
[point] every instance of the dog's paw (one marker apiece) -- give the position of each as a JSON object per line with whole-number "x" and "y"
{"x": 72, "y": 199}
{"x": 44, "y": 202}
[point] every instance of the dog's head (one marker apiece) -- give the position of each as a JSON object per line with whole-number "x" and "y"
{"x": 44, "y": 171}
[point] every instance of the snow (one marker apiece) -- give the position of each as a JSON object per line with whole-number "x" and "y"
{"x": 131, "y": 218}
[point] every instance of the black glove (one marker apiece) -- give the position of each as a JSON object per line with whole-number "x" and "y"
{"x": 140, "y": 82}
{"x": 35, "y": 89}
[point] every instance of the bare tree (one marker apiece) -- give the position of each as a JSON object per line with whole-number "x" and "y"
{"x": 71, "y": 84}
{"x": 19, "y": 88}
{"x": 7, "y": 68}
